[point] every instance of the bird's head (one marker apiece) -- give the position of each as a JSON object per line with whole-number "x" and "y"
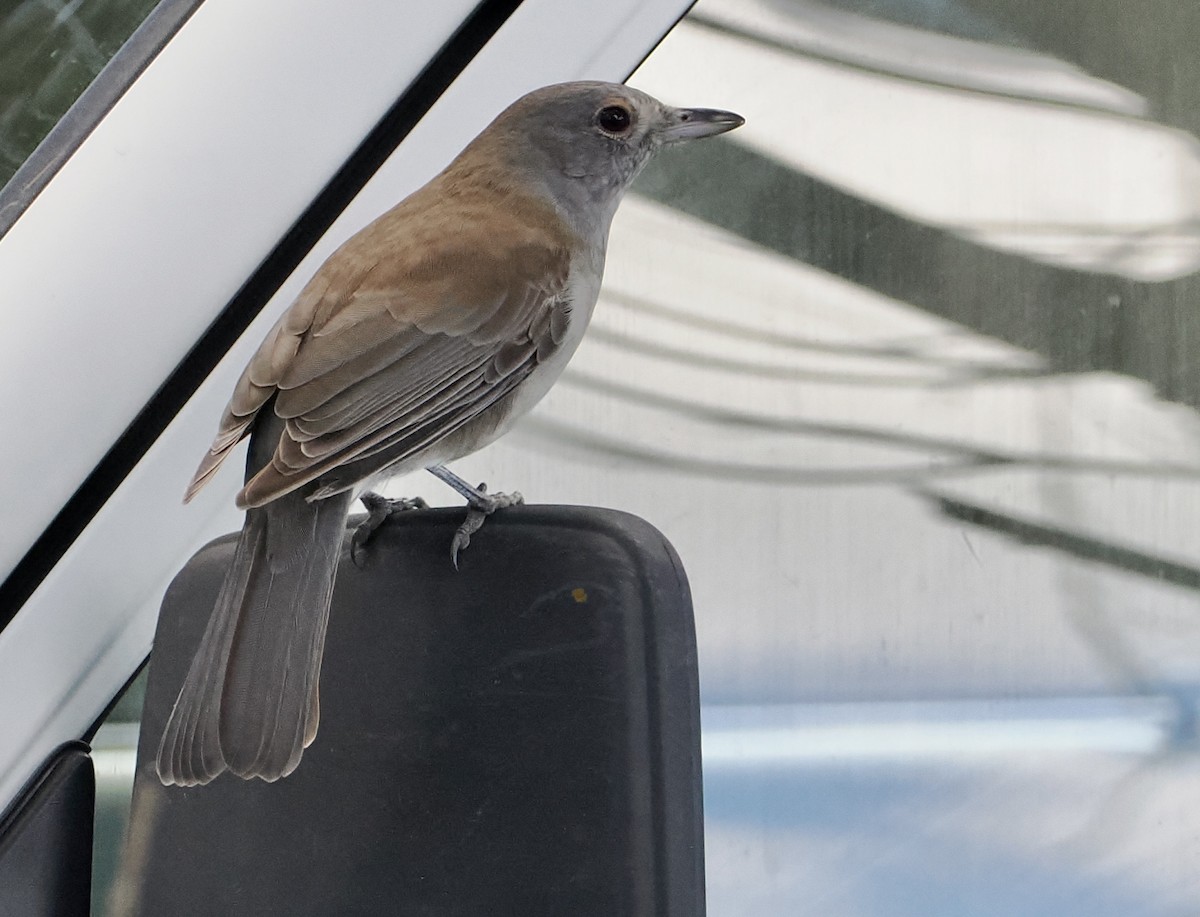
{"x": 584, "y": 143}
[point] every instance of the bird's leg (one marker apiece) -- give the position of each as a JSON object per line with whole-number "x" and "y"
{"x": 480, "y": 505}
{"x": 379, "y": 508}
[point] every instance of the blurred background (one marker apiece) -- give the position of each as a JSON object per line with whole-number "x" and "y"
{"x": 907, "y": 369}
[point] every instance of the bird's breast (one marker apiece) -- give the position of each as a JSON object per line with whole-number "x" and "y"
{"x": 583, "y": 288}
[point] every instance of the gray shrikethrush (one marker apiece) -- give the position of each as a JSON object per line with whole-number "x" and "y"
{"x": 420, "y": 340}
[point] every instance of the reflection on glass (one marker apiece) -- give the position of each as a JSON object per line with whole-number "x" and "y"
{"x": 905, "y": 370}
{"x": 50, "y": 51}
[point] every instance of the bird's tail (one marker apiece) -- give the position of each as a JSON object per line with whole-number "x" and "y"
{"x": 249, "y": 701}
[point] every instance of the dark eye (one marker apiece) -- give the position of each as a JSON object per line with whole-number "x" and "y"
{"x": 614, "y": 119}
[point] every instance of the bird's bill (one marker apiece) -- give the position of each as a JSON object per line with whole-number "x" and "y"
{"x": 694, "y": 123}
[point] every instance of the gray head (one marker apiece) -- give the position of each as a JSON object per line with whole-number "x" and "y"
{"x": 585, "y": 142}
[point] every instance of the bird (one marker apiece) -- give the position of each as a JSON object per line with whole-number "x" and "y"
{"x": 421, "y": 339}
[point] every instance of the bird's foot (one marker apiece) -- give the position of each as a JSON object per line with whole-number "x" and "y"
{"x": 480, "y": 505}
{"x": 379, "y": 509}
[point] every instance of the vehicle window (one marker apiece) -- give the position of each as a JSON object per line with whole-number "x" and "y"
{"x": 905, "y": 368}
{"x": 49, "y": 54}
{"x": 63, "y": 65}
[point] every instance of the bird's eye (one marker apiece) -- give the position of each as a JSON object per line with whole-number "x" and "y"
{"x": 614, "y": 119}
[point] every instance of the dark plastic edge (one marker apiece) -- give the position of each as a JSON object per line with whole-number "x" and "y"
{"x": 33, "y": 786}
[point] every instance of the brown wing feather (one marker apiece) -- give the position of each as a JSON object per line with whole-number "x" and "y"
{"x": 458, "y": 274}
{"x": 425, "y": 395}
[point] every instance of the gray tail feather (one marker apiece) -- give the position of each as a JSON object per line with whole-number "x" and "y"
{"x": 249, "y": 702}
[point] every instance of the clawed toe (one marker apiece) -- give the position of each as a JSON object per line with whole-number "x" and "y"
{"x": 480, "y": 505}
{"x": 379, "y": 509}
{"x": 462, "y": 535}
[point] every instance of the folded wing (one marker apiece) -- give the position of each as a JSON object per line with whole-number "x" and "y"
{"x": 387, "y": 353}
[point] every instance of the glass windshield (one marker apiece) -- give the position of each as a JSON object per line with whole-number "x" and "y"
{"x": 905, "y": 367}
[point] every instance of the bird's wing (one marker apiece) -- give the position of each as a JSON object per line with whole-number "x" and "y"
{"x": 393, "y": 353}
